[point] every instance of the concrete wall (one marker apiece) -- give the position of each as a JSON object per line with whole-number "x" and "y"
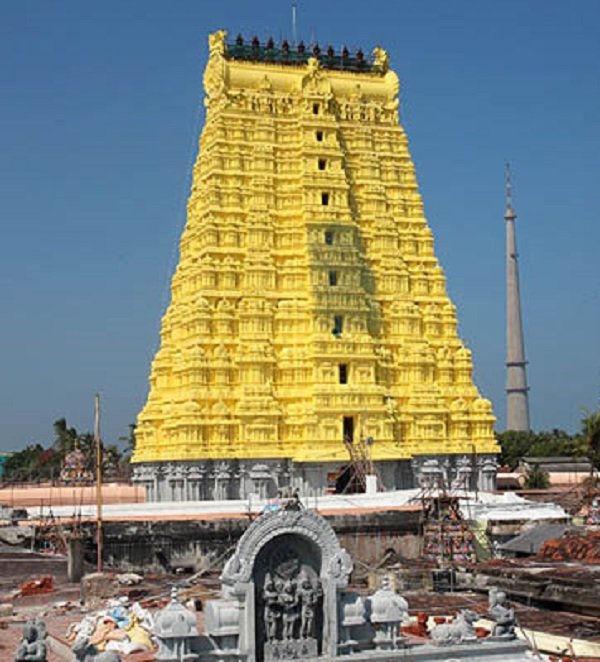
{"x": 196, "y": 545}
{"x": 45, "y": 494}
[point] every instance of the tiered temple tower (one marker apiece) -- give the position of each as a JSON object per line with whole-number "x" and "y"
{"x": 309, "y": 314}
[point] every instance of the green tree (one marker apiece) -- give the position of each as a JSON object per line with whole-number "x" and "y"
{"x": 590, "y": 432}
{"x": 129, "y": 440}
{"x": 32, "y": 464}
{"x": 517, "y": 445}
{"x": 37, "y": 463}
{"x": 64, "y": 437}
{"x": 537, "y": 478}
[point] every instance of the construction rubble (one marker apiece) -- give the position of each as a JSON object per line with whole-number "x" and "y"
{"x": 120, "y": 627}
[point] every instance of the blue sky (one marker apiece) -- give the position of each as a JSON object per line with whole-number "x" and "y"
{"x": 101, "y": 108}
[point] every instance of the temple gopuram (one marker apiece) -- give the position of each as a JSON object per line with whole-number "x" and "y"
{"x": 309, "y": 322}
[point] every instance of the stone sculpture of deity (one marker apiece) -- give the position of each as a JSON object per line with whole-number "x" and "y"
{"x": 33, "y": 646}
{"x": 273, "y": 611}
{"x": 290, "y": 607}
{"x": 290, "y": 604}
{"x": 309, "y": 598}
{"x": 502, "y": 614}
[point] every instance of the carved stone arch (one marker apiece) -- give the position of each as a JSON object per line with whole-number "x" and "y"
{"x": 290, "y": 543}
{"x": 335, "y": 561}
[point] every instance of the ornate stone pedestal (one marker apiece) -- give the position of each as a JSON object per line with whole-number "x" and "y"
{"x": 290, "y": 650}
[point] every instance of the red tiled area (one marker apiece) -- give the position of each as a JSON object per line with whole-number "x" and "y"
{"x": 573, "y": 547}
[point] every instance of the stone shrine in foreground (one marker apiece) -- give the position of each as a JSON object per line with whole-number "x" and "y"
{"x": 285, "y": 595}
{"x": 309, "y": 320}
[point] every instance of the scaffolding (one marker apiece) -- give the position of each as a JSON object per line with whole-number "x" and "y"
{"x": 360, "y": 465}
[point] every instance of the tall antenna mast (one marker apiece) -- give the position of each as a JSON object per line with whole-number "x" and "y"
{"x": 294, "y": 7}
{"x": 517, "y": 401}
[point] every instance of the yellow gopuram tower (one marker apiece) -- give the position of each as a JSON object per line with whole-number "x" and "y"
{"x": 309, "y": 322}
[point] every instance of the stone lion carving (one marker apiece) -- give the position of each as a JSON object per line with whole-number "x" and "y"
{"x": 457, "y": 632}
{"x": 216, "y": 42}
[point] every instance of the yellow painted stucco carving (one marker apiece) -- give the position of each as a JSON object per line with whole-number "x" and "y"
{"x": 307, "y": 261}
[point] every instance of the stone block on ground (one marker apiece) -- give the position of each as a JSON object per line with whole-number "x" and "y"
{"x": 98, "y": 587}
{"x": 6, "y": 609}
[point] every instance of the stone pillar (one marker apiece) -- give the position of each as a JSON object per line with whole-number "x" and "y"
{"x": 159, "y": 474}
{"x": 75, "y": 559}
{"x": 487, "y": 475}
{"x": 202, "y": 483}
{"x": 149, "y": 487}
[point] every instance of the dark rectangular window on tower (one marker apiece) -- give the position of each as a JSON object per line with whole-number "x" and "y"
{"x": 316, "y": 108}
{"x": 324, "y": 199}
{"x": 343, "y": 373}
{"x": 329, "y": 237}
{"x": 338, "y": 325}
{"x": 319, "y": 136}
{"x": 333, "y": 278}
{"x": 322, "y": 163}
{"x": 348, "y": 429}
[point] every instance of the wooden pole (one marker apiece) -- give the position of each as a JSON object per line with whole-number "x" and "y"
{"x": 98, "y": 483}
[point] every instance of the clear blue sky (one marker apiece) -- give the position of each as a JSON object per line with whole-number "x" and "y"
{"x": 99, "y": 118}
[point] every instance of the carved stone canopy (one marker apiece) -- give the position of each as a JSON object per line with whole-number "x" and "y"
{"x": 335, "y": 561}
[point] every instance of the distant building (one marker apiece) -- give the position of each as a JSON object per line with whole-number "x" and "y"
{"x": 561, "y": 470}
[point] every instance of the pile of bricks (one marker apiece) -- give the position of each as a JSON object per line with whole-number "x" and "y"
{"x": 575, "y": 547}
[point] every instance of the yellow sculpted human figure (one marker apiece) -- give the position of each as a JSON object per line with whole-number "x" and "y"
{"x": 309, "y": 320}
